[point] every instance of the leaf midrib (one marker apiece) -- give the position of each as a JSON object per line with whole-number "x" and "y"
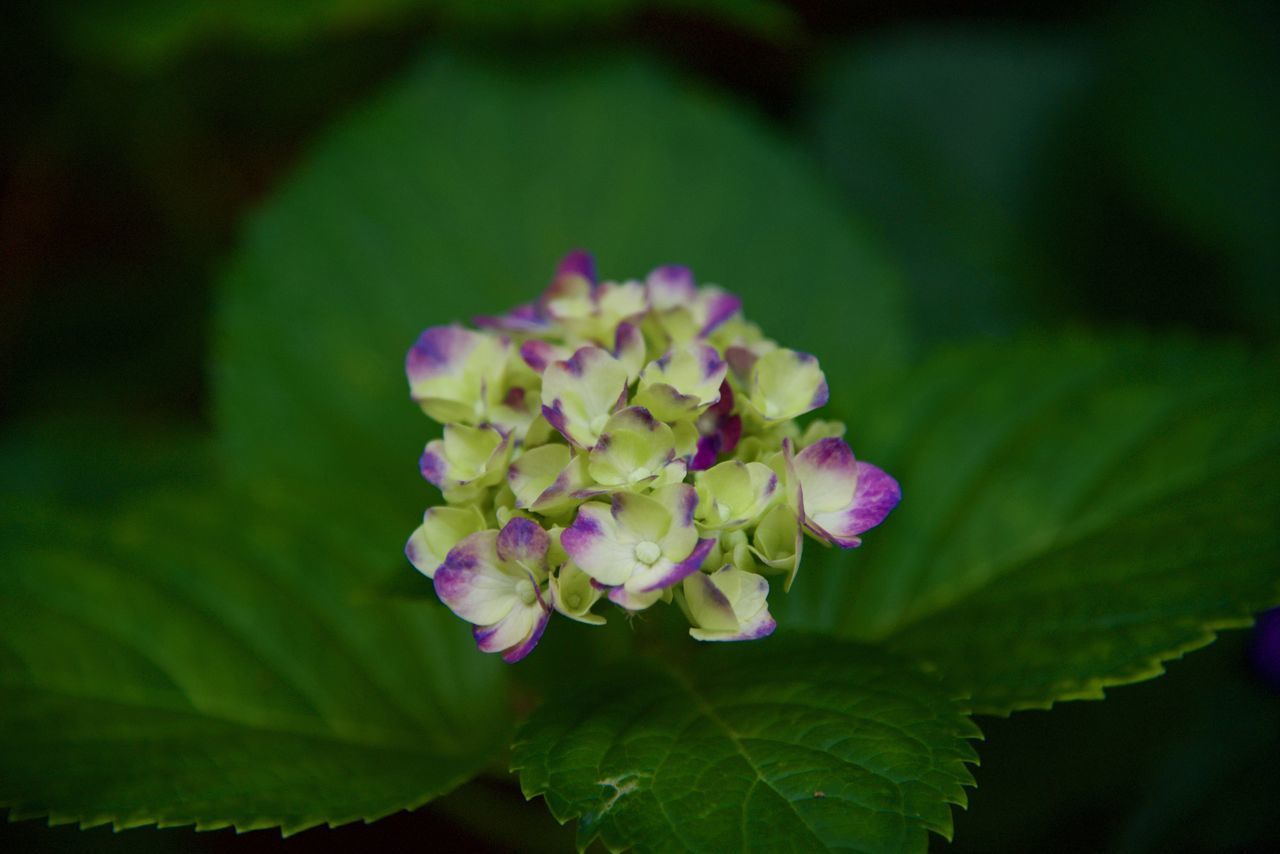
{"x": 708, "y": 711}
{"x": 390, "y": 740}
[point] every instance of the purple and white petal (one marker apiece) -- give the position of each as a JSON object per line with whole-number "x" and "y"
{"x": 515, "y": 635}
{"x": 718, "y": 306}
{"x": 630, "y": 601}
{"x": 629, "y": 349}
{"x": 671, "y": 287}
{"x": 594, "y": 543}
{"x": 472, "y": 585}
{"x": 578, "y": 262}
{"x": 522, "y": 318}
{"x": 525, "y": 542}
{"x": 438, "y": 350}
{"x": 432, "y": 464}
{"x": 876, "y": 495}
{"x": 571, "y": 294}
{"x": 828, "y": 474}
{"x": 526, "y": 646}
{"x": 538, "y": 354}
{"x": 664, "y": 573}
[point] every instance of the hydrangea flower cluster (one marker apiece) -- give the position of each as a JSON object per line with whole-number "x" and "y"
{"x": 634, "y": 442}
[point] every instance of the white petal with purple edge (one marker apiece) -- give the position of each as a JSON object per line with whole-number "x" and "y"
{"x": 828, "y": 475}
{"x": 594, "y": 543}
{"x": 666, "y": 573}
{"x": 671, "y": 287}
{"x": 876, "y": 495}
{"x": 472, "y": 584}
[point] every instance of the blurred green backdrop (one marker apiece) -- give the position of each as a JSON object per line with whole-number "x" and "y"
{"x": 1002, "y": 170}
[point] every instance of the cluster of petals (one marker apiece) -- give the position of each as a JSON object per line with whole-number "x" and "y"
{"x": 626, "y": 444}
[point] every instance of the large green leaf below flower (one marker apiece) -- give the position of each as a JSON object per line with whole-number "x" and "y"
{"x": 791, "y": 745}
{"x": 455, "y": 195}
{"x": 1075, "y": 512}
{"x": 195, "y": 660}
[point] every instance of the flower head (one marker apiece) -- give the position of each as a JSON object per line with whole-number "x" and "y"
{"x": 624, "y": 444}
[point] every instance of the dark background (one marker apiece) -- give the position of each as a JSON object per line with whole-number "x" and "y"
{"x": 1149, "y": 200}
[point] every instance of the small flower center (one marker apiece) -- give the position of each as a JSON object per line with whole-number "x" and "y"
{"x": 648, "y": 553}
{"x": 524, "y": 590}
{"x": 573, "y": 600}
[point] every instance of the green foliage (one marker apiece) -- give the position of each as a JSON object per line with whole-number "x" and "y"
{"x": 1190, "y": 93}
{"x": 940, "y": 139}
{"x": 148, "y": 34}
{"x": 798, "y": 744}
{"x": 1076, "y": 511}
{"x": 198, "y": 660}
{"x": 1086, "y": 509}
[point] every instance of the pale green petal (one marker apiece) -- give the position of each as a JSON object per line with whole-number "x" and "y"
{"x": 573, "y": 594}
{"x": 728, "y": 605}
{"x": 466, "y": 460}
{"x": 641, "y": 518}
{"x": 579, "y": 395}
{"x": 778, "y": 542}
{"x": 633, "y": 447}
{"x": 686, "y": 437}
{"x": 534, "y": 471}
{"x": 442, "y": 528}
{"x": 733, "y": 493}
{"x": 785, "y": 384}
{"x": 682, "y": 383}
{"x": 709, "y": 608}
{"x": 460, "y": 393}
{"x": 618, "y": 302}
{"x": 820, "y": 429}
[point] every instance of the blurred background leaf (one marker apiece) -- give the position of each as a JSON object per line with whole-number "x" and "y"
{"x": 1190, "y": 104}
{"x": 151, "y": 33}
{"x": 1116, "y": 171}
{"x": 941, "y": 138}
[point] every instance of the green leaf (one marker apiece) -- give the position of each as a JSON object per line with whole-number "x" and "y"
{"x": 789, "y": 744}
{"x": 939, "y": 138}
{"x": 95, "y": 463}
{"x": 1074, "y": 513}
{"x": 196, "y": 660}
{"x": 455, "y": 195}
{"x": 1189, "y": 100}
